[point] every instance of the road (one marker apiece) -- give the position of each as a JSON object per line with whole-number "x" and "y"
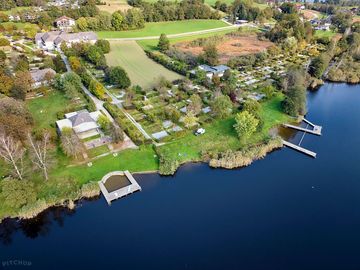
{"x": 183, "y": 34}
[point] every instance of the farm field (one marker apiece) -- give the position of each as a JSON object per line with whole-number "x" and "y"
{"x": 151, "y": 44}
{"x": 114, "y": 5}
{"x": 157, "y": 28}
{"x": 229, "y": 46}
{"x": 142, "y": 70}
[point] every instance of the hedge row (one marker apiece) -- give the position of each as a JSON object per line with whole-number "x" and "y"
{"x": 167, "y": 62}
{"x": 135, "y": 135}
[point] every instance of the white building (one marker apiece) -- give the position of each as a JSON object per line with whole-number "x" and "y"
{"x": 52, "y": 40}
{"x": 83, "y": 123}
{"x": 64, "y": 23}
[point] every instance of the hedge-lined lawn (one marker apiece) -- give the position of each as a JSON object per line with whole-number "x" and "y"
{"x": 151, "y": 44}
{"x": 44, "y": 109}
{"x": 20, "y": 25}
{"x": 139, "y": 160}
{"x": 221, "y": 135}
{"x": 157, "y": 28}
{"x": 142, "y": 70}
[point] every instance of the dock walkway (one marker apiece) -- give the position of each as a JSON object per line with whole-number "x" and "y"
{"x": 299, "y": 148}
{"x": 316, "y": 129}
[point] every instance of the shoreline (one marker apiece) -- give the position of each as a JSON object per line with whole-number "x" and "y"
{"x": 93, "y": 189}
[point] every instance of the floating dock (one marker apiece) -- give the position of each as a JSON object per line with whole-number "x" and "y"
{"x": 127, "y": 186}
{"x": 299, "y": 148}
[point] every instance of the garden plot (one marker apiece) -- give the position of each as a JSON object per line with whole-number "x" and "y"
{"x": 229, "y": 46}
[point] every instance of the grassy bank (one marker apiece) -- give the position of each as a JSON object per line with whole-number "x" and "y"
{"x": 142, "y": 70}
{"x": 157, "y": 28}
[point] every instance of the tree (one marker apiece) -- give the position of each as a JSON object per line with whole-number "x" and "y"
{"x": 294, "y": 103}
{"x": 82, "y": 24}
{"x": 245, "y": 125}
{"x": 195, "y": 105}
{"x": 190, "y": 120}
{"x": 70, "y": 143}
{"x": 117, "y": 20}
{"x": 222, "y": 106}
{"x": 12, "y": 152}
{"x": 17, "y": 193}
{"x": 15, "y": 119}
{"x": 97, "y": 89}
{"x": 39, "y": 153}
{"x": 104, "y": 122}
{"x": 118, "y": 76}
{"x": 164, "y": 43}
{"x": 104, "y": 45}
{"x": 318, "y": 65}
{"x": 210, "y": 54}
{"x": 116, "y": 133}
{"x": 75, "y": 63}
{"x": 22, "y": 85}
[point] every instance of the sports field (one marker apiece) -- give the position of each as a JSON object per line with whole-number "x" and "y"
{"x": 142, "y": 70}
{"x": 157, "y": 28}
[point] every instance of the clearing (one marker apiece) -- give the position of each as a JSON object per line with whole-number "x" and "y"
{"x": 229, "y": 46}
{"x": 157, "y": 28}
{"x": 114, "y": 5}
{"x": 142, "y": 70}
{"x": 310, "y": 14}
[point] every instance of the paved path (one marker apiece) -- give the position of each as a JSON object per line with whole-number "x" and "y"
{"x": 183, "y": 34}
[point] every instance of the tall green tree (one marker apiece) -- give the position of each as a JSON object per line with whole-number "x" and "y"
{"x": 164, "y": 43}
{"x": 245, "y": 125}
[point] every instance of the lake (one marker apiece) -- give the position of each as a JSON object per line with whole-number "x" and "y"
{"x": 287, "y": 211}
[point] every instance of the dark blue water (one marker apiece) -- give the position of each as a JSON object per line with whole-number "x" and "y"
{"x": 287, "y": 211}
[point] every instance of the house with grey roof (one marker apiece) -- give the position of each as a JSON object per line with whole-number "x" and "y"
{"x": 211, "y": 70}
{"x": 41, "y": 76}
{"x": 52, "y": 40}
{"x": 83, "y": 123}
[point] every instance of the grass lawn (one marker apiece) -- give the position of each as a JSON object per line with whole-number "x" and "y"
{"x": 142, "y": 70}
{"x": 322, "y": 33}
{"x": 19, "y": 25}
{"x": 157, "y": 28}
{"x": 221, "y": 136}
{"x": 44, "y": 109}
{"x": 91, "y": 138}
{"x": 151, "y": 44}
{"x": 139, "y": 160}
{"x": 14, "y": 10}
{"x": 97, "y": 151}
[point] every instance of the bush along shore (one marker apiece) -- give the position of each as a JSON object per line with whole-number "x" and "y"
{"x": 235, "y": 159}
{"x": 31, "y": 210}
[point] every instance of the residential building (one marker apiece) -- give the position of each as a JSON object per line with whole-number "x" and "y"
{"x": 64, "y": 23}
{"x": 41, "y": 76}
{"x": 211, "y": 71}
{"x": 52, "y": 40}
{"x": 83, "y": 123}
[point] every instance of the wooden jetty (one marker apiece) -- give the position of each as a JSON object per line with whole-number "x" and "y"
{"x": 299, "y": 148}
{"x": 132, "y": 187}
{"x": 316, "y": 130}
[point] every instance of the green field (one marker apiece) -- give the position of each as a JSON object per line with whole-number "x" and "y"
{"x": 322, "y": 33}
{"x": 151, "y": 44}
{"x": 142, "y": 70}
{"x": 20, "y": 25}
{"x": 156, "y": 29}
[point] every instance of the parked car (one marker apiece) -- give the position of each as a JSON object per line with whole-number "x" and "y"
{"x": 199, "y": 131}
